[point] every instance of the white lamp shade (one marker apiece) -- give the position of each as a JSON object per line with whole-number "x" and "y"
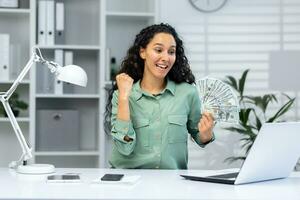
{"x": 72, "y": 74}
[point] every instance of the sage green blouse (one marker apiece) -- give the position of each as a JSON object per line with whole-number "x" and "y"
{"x": 159, "y": 127}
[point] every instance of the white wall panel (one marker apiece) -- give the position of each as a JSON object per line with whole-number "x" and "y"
{"x": 237, "y": 38}
{"x": 261, "y": 66}
{"x": 227, "y": 47}
{"x": 292, "y": 9}
{"x": 242, "y": 20}
{"x": 251, "y": 10}
{"x": 292, "y": 37}
{"x": 261, "y": 28}
{"x": 238, "y": 57}
{"x": 291, "y": 19}
{"x": 292, "y": 28}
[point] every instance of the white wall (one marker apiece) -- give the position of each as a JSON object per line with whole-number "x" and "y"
{"x": 239, "y": 36}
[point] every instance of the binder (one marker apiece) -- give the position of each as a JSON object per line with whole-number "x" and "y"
{"x": 4, "y": 57}
{"x": 68, "y": 57}
{"x": 107, "y": 63}
{"x": 59, "y": 59}
{"x": 44, "y": 80}
{"x": 59, "y": 23}
{"x": 50, "y": 22}
{"x": 68, "y": 88}
{"x": 14, "y": 60}
{"x": 42, "y": 14}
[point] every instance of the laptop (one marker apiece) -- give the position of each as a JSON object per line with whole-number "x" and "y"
{"x": 273, "y": 155}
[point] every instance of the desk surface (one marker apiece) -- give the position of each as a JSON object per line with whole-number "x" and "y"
{"x": 153, "y": 184}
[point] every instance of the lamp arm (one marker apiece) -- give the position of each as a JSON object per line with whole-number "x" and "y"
{"x": 34, "y": 59}
{"x": 26, "y": 149}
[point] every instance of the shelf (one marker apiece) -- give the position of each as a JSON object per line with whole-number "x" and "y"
{"x": 66, "y": 153}
{"x": 75, "y": 96}
{"x": 15, "y": 10}
{"x": 19, "y": 119}
{"x": 130, "y": 14}
{"x": 78, "y": 47}
{"x": 11, "y": 81}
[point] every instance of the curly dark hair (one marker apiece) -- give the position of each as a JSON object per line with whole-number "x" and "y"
{"x": 133, "y": 64}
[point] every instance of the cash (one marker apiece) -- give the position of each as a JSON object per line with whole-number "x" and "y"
{"x": 219, "y": 99}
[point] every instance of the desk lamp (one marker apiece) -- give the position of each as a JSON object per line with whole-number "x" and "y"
{"x": 71, "y": 74}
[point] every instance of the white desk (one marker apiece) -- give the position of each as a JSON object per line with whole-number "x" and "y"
{"x": 154, "y": 184}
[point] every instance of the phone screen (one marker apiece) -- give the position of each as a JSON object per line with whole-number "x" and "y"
{"x": 112, "y": 177}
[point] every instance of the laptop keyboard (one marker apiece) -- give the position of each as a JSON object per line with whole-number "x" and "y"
{"x": 230, "y": 175}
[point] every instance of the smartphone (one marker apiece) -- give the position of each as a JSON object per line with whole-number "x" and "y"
{"x": 64, "y": 178}
{"x": 112, "y": 177}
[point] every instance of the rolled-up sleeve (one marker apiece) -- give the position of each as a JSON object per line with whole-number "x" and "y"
{"x": 194, "y": 118}
{"x": 120, "y": 129}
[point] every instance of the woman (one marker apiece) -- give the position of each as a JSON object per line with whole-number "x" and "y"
{"x": 155, "y": 105}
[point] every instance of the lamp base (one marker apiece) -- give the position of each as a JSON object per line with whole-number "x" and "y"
{"x": 36, "y": 169}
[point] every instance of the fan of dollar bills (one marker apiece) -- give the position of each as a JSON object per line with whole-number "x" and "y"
{"x": 219, "y": 99}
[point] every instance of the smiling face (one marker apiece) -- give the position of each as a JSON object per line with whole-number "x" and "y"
{"x": 159, "y": 56}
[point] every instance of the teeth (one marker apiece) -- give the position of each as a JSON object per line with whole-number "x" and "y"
{"x": 162, "y": 66}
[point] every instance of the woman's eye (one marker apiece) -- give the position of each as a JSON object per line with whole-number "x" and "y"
{"x": 158, "y": 50}
{"x": 172, "y": 52}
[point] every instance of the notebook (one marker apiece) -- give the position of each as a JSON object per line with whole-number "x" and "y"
{"x": 273, "y": 155}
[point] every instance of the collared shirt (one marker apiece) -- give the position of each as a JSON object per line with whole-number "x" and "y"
{"x": 159, "y": 126}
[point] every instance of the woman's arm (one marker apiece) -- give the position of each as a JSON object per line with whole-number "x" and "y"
{"x": 122, "y": 130}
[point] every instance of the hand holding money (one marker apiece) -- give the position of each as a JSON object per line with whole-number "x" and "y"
{"x": 205, "y": 127}
{"x": 219, "y": 99}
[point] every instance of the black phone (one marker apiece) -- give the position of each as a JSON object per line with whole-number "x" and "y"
{"x": 112, "y": 177}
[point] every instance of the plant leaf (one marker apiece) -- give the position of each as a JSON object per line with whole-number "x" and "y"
{"x": 282, "y": 110}
{"x": 258, "y": 123}
{"x": 233, "y": 159}
{"x": 244, "y": 116}
{"x": 232, "y": 82}
{"x": 242, "y": 82}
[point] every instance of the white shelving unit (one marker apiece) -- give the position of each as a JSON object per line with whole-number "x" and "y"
{"x": 16, "y": 23}
{"x": 95, "y": 31}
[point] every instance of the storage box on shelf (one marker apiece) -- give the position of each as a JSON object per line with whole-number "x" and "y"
{"x": 87, "y": 132}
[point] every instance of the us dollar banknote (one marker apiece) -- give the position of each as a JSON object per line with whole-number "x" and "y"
{"x": 219, "y": 99}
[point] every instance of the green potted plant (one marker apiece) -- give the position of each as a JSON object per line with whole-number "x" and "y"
{"x": 15, "y": 104}
{"x": 253, "y": 112}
